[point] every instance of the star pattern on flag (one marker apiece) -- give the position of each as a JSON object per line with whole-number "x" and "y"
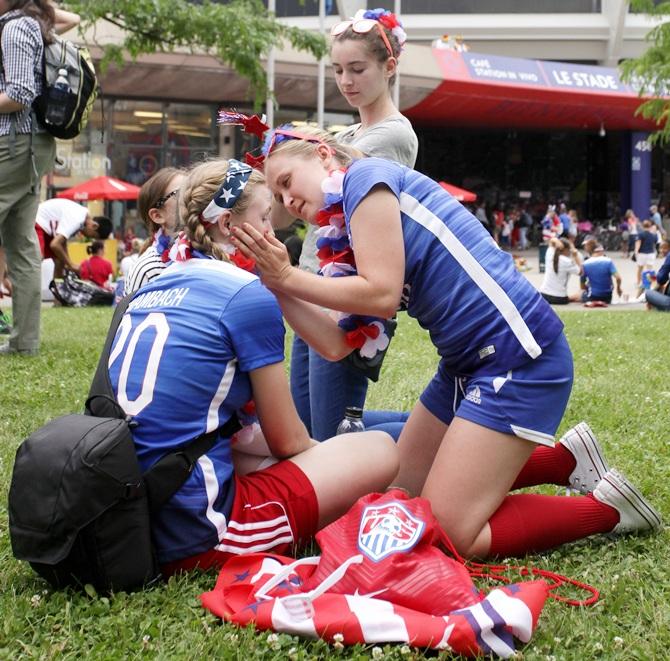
{"x": 241, "y": 577}
{"x": 253, "y": 607}
{"x": 226, "y": 194}
{"x": 234, "y": 182}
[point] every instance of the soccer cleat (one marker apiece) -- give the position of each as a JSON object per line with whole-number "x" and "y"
{"x": 635, "y": 513}
{"x": 591, "y": 464}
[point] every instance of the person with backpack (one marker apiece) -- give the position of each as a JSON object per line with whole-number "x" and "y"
{"x": 205, "y": 342}
{"x": 27, "y": 152}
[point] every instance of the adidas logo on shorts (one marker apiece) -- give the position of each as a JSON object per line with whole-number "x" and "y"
{"x": 474, "y": 395}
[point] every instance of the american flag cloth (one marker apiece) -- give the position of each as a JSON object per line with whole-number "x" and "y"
{"x": 381, "y": 578}
{"x": 488, "y": 627}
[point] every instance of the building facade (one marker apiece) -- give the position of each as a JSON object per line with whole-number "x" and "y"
{"x": 161, "y": 109}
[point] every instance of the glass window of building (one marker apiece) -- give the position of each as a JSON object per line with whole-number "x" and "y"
{"x": 311, "y": 7}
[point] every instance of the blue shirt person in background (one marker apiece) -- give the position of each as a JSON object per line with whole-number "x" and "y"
{"x": 599, "y": 271}
{"x": 658, "y": 298}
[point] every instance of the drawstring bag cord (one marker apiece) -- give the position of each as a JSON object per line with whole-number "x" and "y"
{"x": 492, "y": 572}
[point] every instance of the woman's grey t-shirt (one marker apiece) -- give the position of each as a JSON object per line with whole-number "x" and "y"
{"x": 393, "y": 139}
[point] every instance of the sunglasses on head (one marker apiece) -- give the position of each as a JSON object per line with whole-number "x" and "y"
{"x": 362, "y": 26}
{"x": 160, "y": 203}
{"x": 293, "y": 134}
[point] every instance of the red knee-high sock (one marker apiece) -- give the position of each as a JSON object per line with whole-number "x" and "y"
{"x": 546, "y": 466}
{"x": 528, "y": 523}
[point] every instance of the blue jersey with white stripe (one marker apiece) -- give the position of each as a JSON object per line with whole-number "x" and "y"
{"x": 179, "y": 366}
{"x": 482, "y": 314}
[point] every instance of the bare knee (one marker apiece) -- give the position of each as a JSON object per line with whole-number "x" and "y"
{"x": 375, "y": 455}
{"x": 384, "y": 456}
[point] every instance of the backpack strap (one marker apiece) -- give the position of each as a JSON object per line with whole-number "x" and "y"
{"x": 171, "y": 471}
{"x": 101, "y": 400}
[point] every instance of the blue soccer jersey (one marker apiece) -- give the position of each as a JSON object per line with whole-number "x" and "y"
{"x": 179, "y": 366}
{"x": 483, "y": 316}
{"x": 598, "y": 272}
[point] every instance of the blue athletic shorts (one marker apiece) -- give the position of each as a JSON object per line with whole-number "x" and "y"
{"x": 528, "y": 401}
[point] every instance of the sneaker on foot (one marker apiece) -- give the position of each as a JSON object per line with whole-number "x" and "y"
{"x": 6, "y": 350}
{"x": 635, "y": 513}
{"x": 591, "y": 466}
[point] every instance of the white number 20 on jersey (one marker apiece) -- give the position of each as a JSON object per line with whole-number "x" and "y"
{"x": 127, "y": 335}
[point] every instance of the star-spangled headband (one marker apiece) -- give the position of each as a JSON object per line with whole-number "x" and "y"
{"x": 257, "y": 126}
{"x": 229, "y": 192}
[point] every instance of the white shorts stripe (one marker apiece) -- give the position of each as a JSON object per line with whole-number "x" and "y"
{"x": 232, "y": 537}
{"x": 493, "y": 291}
{"x": 258, "y": 525}
{"x": 268, "y": 534}
{"x": 231, "y": 548}
{"x": 532, "y": 435}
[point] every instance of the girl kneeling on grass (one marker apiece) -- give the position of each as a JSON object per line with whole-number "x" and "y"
{"x": 505, "y": 370}
{"x": 195, "y": 346}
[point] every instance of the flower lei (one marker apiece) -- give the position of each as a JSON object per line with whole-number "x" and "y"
{"x": 390, "y": 21}
{"x": 162, "y": 244}
{"x": 236, "y": 257}
{"x": 182, "y": 250}
{"x": 336, "y": 258}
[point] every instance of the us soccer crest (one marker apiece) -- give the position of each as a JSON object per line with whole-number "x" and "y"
{"x": 388, "y": 529}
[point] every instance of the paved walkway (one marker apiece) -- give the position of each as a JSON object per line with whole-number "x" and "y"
{"x": 626, "y": 267}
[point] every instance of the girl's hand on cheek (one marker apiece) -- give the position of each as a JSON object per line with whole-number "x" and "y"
{"x": 272, "y": 259}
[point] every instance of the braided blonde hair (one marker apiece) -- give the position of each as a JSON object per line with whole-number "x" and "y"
{"x": 197, "y": 191}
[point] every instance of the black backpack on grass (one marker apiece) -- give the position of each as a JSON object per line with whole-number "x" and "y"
{"x": 72, "y": 291}
{"x": 79, "y": 505}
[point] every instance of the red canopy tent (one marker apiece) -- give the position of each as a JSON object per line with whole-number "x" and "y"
{"x": 460, "y": 194}
{"x": 102, "y": 188}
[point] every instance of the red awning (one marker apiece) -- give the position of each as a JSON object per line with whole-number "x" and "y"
{"x": 460, "y": 194}
{"x": 102, "y": 188}
{"x": 491, "y": 91}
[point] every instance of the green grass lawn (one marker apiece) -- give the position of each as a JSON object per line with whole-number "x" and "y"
{"x": 622, "y": 389}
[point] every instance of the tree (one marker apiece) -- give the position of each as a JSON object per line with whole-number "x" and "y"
{"x": 238, "y": 33}
{"x": 651, "y": 71}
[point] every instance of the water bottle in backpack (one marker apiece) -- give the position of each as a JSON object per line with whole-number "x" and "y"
{"x": 352, "y": 421}
{"x": 58, "y": 98}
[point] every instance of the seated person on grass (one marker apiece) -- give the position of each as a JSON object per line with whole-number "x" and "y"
{"x": 195, "y": 346}
{"x": 561, "y": 260}
{"x": 658, "y": 298}
{"x": 599, "y": 271}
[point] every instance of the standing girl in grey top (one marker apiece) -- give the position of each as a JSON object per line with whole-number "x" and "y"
{"x": 364, "y": 55}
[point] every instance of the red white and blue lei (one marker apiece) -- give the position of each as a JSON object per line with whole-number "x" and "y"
{"x": 369, "y": 335}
